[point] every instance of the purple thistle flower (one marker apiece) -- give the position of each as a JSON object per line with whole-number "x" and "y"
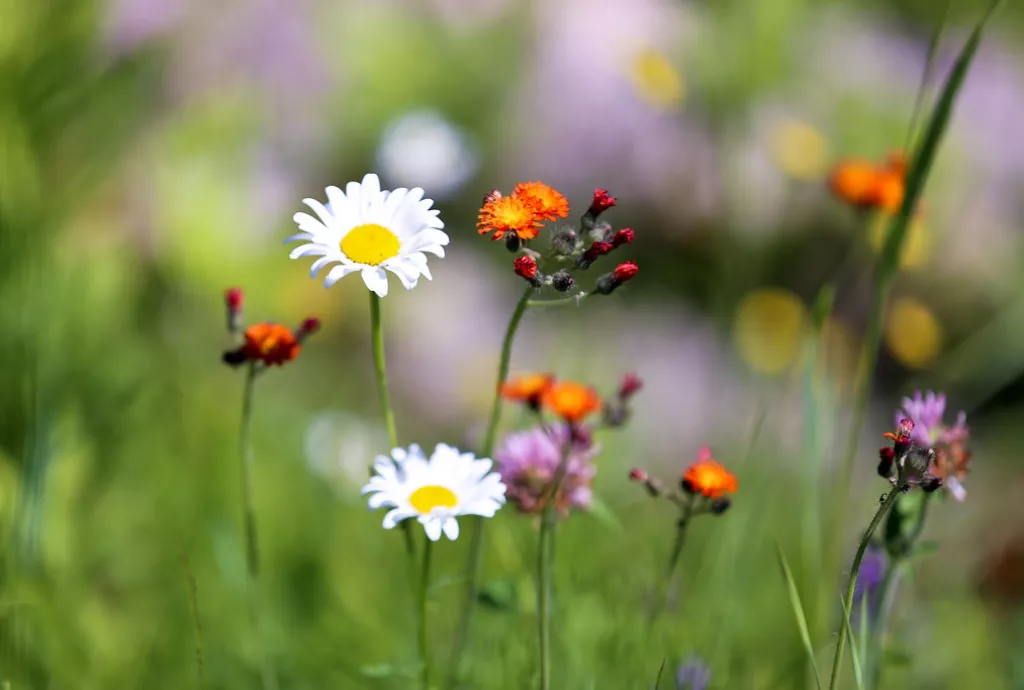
{"x": 926, "y": 412}
{"x": 528, "y": 460}
{"x": 693, "y": 674}
{"x": 869, "y": 578}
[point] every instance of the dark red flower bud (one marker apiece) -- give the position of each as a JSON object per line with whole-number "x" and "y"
{"x": 596, "y": 250}
{"x": 720, "y": 505}
{"x": 233, "y": 299}
{"x": 624, "y": 236}
{"x": 886, "y": 458}
{"x": 631, "y": 383}
{"x": 307, "y": 328}
{"x": 637, "y": 475}
{"x": 625, "y": 271}
{"x": 602, "y": 202}
{"x": 490, "y": 196}
{"x": 526, "y": 267}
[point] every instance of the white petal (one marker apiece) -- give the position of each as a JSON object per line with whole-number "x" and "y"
{"x": 409, "y": 275}
{"x": 339, "y": 272}
{"x": 319, "y": 264}
{"x": 432, "y": 526}
{"x": 299, "y": 235}
{"x": 451, "y": 528}
{"x": 376, "y": 280}
{"x": 395, "y": 516}
{"x": 325, "y": 215}
{"x": 307, "y": 250}
{"x": 380, "y": 499}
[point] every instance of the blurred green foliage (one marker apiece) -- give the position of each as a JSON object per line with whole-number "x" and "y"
{"x": 117, "y": 423}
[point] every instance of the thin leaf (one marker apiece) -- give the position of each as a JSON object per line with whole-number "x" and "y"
{"x": 661, "y": 672}
{"x": 798, "y": 613}
{"x": 858, "y": 673}
{"x": 925, "y": 154}
{"x": 929, "y": 69}
{"x": 863, "y": 625}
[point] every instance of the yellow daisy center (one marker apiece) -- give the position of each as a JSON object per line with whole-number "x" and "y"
{"x": 426, "y": 498}
{"x": 370, "y": 244}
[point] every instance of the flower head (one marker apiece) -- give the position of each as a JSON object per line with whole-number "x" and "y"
{"x": 270, "y": 343}
{"x": 435, "y": 491}
{"x": 527, "y": 389}
{"x": 624, "y": 236}
{"x": 625, "y": 271}
{"x": 551, "y": 204}
{"x": 528, "y": 461}
{"x": 601, "y": 202}
{"x": 708, "y": 478}
{"x": 526, "y": 267}
{"x": 521, "y": 216}
{"x": 233, "y": 300}
{"x": 951, "y": 459}
{"x": 370, "y": 231}
{"x": 866, "y": 184}
{"x": 571, "y": 401}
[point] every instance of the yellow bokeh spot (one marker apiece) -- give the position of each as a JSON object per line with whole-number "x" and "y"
{"x": 838, "y": 355}
{"x": 656, "y": 80}
{"x": 799, "y": 150}
{"x": 916, "y": 244}
{"x": 912, "y": 333}
{"x": 370, "y": 244}
{"x": 768, "y": 328}
{"x": 426, "y": 498}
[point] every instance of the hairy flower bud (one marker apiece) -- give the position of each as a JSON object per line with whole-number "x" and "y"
{"x": 624, "y": 236}
{"x": 564, "y": 241}
{"x": 526, "y": 267}
{"x": 562, "y": 280}
{"x": 512, "y": 242}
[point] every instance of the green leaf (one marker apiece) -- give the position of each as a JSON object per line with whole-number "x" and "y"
{"x": 498, "y": 595}
{"x": 858, "y": 673}
{"x": 661, "y": 671}
{"x": 925, "y": 154}
{"x": 798, "y": 613}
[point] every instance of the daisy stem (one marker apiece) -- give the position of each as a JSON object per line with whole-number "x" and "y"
{"x": 252, "y": 555}
{"x": 377, "y": 331}
{"x": 476, "y": 540}
{"x": 545, "y": 564}
{"x": 377, "y": 337}
{"x": 424, "y": 590}
{"x": 883, "y": 510}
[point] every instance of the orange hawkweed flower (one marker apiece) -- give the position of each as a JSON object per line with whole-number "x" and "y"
{"x": 854, "y": 181}
{"x": 571, "y": 401}
{"x": 708, "y": 477}
{"x": 270, "y": 343}
{"x": 522, "y": 215}
{"x": 553, "y": 205}
{"x": 527, "y": 389}
{"x": 865, "y": 184}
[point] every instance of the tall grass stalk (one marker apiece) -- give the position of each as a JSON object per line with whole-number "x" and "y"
{"x": 545, "y": 564}
{"x": 883, "y": 510}
{"x": 885, "y": 271}
{"x": 476, "y": 540}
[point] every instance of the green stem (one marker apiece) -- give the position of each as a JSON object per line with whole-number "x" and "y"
{"x": 563, "y": 302}
{"x": 545, "y": 564}
{"x": 380, "y": 366}
{"x": 252, "y": 555}
{"x": 197, "y": 628}
{"x": 424, "y": 639}
{"x": 377, "y": 334}
{"x": 887, "y": 593}
{"x": 476, "y": 539}
{"x": 883, "y": 510}
{"x": 673, "y": 561}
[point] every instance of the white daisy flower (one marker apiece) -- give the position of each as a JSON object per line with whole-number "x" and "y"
{"x": 368, "y": 230}
{"x": 436, "y": 490}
